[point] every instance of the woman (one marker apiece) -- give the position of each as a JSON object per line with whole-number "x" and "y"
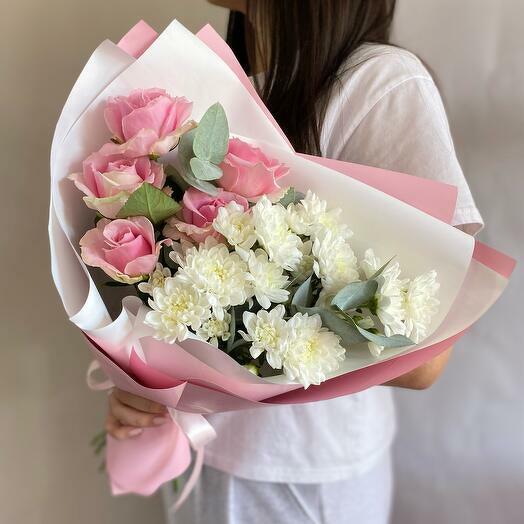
{"x": 337, "y": 89}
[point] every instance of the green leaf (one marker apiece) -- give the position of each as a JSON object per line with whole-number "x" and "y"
{"x": 98, "y": 442}
{"x": 347, "y": 331}
{"x": 175, "y": 485}
{"x": 185, "y": 154}
{"x": 204, "y": 170}
{"x": 298, "y": 279}
{"x": 292, "y": 196}
{"x": 185, "y": 146}
{"x": 202, "y": 185}
{"x": 99, "y": 437}
{"x": 232, "y": 330}
{"x": 212, "y": 135}
{"x": 355, "y": 294}
{"x": 150, "y": 202}
{"x": 379, "y": 271}
{"x": 176, "y": 177}
{"x": 394, "y": 341}
{"x": 303, "y": 294}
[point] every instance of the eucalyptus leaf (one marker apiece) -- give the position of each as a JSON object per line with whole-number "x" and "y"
{"x": 185, "y": 146}
{"x": 176, "y": 177}
{"x": 185, "y": 154}
{"x": 212, "y": 135}
{"x": 347, "y": 331}
{"x": 298, "y": 279}
{"x": 355, "y": 294}
{"x": 303, "y": 294}
{"x": 379, "y": 271}
{"x": 240, "y": 342}
{"x": 149, "y": 202}
{"x": 202, "y": 185}
{"x": 204, "y": 170}
{"x": 394, "y": 341}
{"x": 292, "y": 196}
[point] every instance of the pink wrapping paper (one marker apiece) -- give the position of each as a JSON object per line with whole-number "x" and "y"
{"x": 179, "y": 379}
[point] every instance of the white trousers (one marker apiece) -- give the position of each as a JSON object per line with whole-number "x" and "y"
{"x": 221, "y": 498}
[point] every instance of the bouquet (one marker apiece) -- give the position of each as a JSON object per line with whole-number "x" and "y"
{"x": 250, "y": 275}
{"x": 264, "y": 273}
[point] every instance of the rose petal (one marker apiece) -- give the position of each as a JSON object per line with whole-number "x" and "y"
{"x": 142, "y": 265}
{"x": 109, "y": 206}
{"x": 119, "y": 257}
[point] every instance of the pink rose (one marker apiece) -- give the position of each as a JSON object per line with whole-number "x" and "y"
{"x": 124, "y": 249}
{"x": 195, "y": 221}
{"x": 107, "y": 181}
{"x": 247, "y": 171}
{"x": 148, "y": 121}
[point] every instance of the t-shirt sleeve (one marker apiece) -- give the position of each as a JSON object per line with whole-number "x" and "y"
{"x": 406, "y": 129}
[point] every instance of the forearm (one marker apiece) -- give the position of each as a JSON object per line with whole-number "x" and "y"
{"x": 424, "y": 376}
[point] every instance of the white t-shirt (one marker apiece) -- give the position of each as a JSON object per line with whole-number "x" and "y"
{"x": 385, "y": 112}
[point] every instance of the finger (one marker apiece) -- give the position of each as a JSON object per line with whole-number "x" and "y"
{"x": 128, "y": 416}
{"x": 118, "y": 431}
{"x": 140, "y": 403}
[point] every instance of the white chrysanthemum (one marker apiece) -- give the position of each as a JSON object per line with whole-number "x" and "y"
{"x": 370, "y": 264}
{"x": 305, "y": 266}
{"x": 235, "y": 225}
{"x": 216, "y": 273}
{"x": 335, "y": 263}
{"x": 268, "y": 279}
{"x": 212, "y": 329}
{"x": 389, "y": 299}
{"x": 375, "y": 349}
{"x": 311, "y": 217}
{"x": 266, "y": 331}
{"x": 274, "y": 234}
{"x": 156, "y": 279}
{"x": 420, "y": 305}
{"x": 311, "y": 351}
{"x": 179, "y": 250}
{"x": 176, "y": 306}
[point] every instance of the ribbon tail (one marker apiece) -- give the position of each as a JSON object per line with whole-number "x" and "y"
{"x": 191, "y": 481}
{"x": 199, "y": 433}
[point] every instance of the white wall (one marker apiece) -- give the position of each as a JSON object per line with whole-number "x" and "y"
{"x": 460, "y": 451}
{"x": 48, "y": 474}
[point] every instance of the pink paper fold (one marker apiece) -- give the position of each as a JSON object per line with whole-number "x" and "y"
{"x": 138, "y": 39}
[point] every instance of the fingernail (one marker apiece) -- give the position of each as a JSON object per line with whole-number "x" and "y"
{"x": 158, "y": 421}
{"x": 135, "y": 432}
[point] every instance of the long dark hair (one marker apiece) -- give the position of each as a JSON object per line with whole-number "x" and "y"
{"x": 302, "y": 46}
